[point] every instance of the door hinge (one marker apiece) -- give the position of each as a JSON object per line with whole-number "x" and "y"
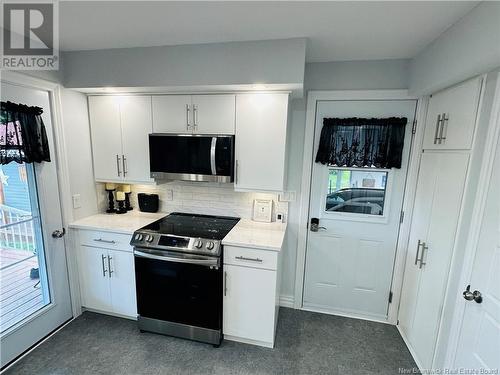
{"x": 401, "y": 217}
{"x": 390, "y": 297}
{"x": 414, "y": 127}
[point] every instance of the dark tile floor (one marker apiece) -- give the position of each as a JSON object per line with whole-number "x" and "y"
{"x": 307, "y": 343}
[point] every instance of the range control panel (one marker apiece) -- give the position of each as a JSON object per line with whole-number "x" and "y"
{"x": 178, "y": 243}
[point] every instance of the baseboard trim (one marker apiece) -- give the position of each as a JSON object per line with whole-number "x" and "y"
{"x": 249, "y": 341}
{"x": 410, "y": 348}
{"x": 346, "y": 314}
{"x": 287, "y": 301}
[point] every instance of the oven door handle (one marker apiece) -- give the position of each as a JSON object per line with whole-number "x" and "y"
{"x": 201, "y": 262}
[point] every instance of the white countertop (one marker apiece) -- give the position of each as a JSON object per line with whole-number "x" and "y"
{"x": 248, "y": 233}
{"x": 118, "y": 223}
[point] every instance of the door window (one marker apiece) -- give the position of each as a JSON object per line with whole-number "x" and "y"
{"x": 356, "y": 191}
{"x": 24, "y": 285}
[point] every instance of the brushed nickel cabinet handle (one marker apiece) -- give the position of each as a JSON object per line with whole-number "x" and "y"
{"x": 438, "y": 124}
{"x": 442, "y": 134}
{"x": 249, "y": 259}
{"x": 187, "y": 117}
{"x": 105, "y": 241}
{"x": 109, "y": 265}
{"x": 103, "y": 266}
{"x": 195, "y": 116}
{"x": 124, "y": 160}
{"x": 424, "y": 248}
{"x": 418, "y": 250}
{"x": 118, "y": 165}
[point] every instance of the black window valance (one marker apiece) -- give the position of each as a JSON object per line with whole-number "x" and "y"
{"x": 362, "y": 142}
{"x": 22, "y": 134}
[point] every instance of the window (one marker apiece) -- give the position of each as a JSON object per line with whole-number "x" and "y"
{"x": 356, "y": 191}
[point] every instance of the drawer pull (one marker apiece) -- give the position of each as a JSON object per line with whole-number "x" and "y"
{"x": 105, "y": 241}
{"x": 249, "y": 259}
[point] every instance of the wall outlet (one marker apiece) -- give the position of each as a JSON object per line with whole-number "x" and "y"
{"x": 77, "y": 201}
{"x": 169, "y": 195}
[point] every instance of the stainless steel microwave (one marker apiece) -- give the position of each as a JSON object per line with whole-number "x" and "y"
{"x": 191, "y": 157}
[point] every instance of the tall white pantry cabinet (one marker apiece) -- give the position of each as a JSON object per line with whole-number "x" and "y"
{"x": 448, "y": 140}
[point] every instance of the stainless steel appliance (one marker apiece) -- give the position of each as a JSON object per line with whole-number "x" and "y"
{"x": 179, "y": 276}
{"x": 192, "y": 157}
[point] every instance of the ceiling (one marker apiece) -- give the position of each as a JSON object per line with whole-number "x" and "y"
{"x": 337, "y": 31}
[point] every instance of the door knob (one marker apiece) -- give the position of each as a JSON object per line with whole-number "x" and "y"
{"x": 59, "y": 233}
{"x": 315, "y": 225}
{"x": 472, "y": 296}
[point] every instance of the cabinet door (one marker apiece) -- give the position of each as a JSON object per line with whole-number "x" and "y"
{"x": 94, "y": 278}
{"x": 136, "y": 122}
{"x": 122, "y": 281}
{"x": 451, "y": 116}
{"x": 249, "y": 303}
{"x": 172, "y": 114}
{"x": 106, "y": 137}
{"x": 260, "y": 141}
{"x": 214, "y": 114}
{"x": 424, "y": 288}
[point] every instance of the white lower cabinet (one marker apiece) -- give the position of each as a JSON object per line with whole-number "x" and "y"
{"x": 250, "y": 297}
{"x": 107, "y": 280}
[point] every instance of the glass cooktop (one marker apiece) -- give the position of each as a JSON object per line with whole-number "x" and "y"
{"x": 191, "y": 225}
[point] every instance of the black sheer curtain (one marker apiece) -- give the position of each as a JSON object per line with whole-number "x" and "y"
{"x": 362, "y": 142}
{"x": 22, "y": 134}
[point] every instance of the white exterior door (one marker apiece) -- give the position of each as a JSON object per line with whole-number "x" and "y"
{"x": 349, "y": 261}
{"x": 48, "y": 304}
{"x": 479, "y": 342}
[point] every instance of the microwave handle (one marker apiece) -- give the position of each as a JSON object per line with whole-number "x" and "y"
{"x": 213, "y": 147}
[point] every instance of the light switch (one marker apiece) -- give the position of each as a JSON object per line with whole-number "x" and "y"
{"x": 77, "y": 202}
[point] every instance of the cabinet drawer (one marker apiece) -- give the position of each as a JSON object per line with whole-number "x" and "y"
{"x": 106, "y": 240}
{"x": 243, "y": 256}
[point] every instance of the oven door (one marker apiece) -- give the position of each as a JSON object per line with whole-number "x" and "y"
{"x": 191, "y": 157}
{"x": 179, "y": 288}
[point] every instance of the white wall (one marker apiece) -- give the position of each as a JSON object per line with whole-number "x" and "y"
{"x": 235, "y": 63}
{"x": 365, "y": 75}
{"x": 75, "y": 122}
{"x": 469, "y": 47}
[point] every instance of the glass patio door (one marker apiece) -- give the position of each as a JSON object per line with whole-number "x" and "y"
{"x": 34, "y": 289}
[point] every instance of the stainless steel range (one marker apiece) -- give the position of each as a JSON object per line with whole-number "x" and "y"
{"x": 179, "y": 277}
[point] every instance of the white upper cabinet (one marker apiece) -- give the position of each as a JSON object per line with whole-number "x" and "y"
{"x": 120, "y": 126}
{"x": 451, "y": 117}
{"x": 200, "y": 114}
{"x": 106, "y": 137}
{"x": 136, "y": 126}
{"x": 213, "y": 114}
{"x": 260, "y": 142}
{"x": 172, "y": 114}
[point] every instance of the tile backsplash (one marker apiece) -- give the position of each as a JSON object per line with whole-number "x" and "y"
{"x": 207, "y": 198}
